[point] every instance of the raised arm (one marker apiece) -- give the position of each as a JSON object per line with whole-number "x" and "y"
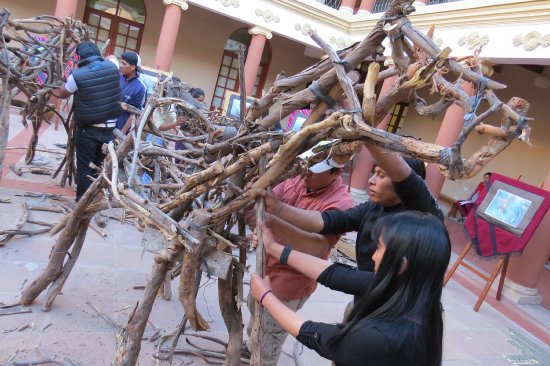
{"x": 393, "y": 164}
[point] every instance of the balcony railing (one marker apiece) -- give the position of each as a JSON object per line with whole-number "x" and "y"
{"x": 382, "y": 5}
{"x": 335, "y": 4}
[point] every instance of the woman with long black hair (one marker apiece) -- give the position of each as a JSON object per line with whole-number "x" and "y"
{"x": 398, "y": 319}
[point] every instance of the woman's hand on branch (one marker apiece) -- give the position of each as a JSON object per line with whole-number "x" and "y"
{"x": 271, "y": 246}
{"x": 259, "y": 286}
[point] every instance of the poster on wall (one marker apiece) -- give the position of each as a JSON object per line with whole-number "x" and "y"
{"x": 506, "y": 215}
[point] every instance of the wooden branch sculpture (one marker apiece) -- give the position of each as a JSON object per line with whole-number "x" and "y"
{"x": 195, "y": 196}
{"x": 36, "y": 56}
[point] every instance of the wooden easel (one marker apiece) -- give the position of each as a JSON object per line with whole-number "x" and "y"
{"x": 501, "y": 264}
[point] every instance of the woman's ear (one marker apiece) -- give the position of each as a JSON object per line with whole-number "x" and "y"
{"x": 403, "y": 265}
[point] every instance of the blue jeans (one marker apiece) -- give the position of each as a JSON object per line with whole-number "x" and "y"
{"x": 88, "y": 146}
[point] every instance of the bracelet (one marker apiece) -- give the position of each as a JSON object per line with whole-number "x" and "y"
{"x": 285, "y": 254}
{"x": 279, "y": 209}
{"x": 262, "y": 298}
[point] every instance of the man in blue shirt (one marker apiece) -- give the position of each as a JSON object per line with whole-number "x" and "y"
{"x": 134, "y": 91}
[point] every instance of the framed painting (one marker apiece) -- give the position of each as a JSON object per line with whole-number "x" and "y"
{"x": 232, "y": 104}
{"x": 509, "y": 208}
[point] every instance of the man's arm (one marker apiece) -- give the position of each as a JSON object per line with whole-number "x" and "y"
{"x": 63, "y": 93}
{"x": 397, "y": 169}
{"x": 68, "y": 89}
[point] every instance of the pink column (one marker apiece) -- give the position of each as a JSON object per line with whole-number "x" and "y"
{"x": 363, "y": 168}
{"x": 66, "y": 8}
{"x": 347, "y": 6}
{"x": 366, "y": 6}
{"x": 448, "y": 134}
{"x": 168, "y": 36}
{"x": 254, "y": 57}
{"x": 525, "y": 270}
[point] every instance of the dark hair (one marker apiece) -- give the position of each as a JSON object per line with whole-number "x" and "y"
{"x": 415, "y": 293}
{"x": 417, "y": 166}
{"x": 87, "y": 49}
{"x": 196, "y": 92}
{"x": 488, "y": 173}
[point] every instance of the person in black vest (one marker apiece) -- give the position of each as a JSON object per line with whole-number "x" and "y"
{"x": 96, "y": 88}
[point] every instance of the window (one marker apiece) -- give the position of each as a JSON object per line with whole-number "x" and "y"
{"x": 397, "y": 117}
{"x": 381, "y": 6}
{"x": 118, "y": 21}
{"x": 335, "y": 4}
{"x": 228, "y": 75}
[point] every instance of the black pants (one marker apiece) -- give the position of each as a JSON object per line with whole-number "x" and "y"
{"x": 88, "y": 147}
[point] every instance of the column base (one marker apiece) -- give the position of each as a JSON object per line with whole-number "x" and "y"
{"x": 418, "y": 4}
{"x": 519, "y": 294}
{"x": 363, "y": 12}
{"x": 346, "y": 10}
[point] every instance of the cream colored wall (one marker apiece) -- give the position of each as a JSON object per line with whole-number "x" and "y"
{"x": 532, "y": 163}
{"x": 201, "y": 39}
{"x": 28, "y": 8}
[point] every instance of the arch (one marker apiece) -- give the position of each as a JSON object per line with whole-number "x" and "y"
{"x": 228, "y": 74}
{"x": 119, "y": 21}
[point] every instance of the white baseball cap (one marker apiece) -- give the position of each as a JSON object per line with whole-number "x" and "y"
{"x": 325, "y": 165}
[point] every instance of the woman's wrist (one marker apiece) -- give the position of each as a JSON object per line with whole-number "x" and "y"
{"x": 264, "y": 295}
{"x": 285, "y": 254}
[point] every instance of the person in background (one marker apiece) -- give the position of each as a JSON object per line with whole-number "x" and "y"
{"x": 398, "y": 317}
{"x": 320, "y": 189}
{"x": 134, "y": 91}
{"x": 465, "y": 206}
{"x": 96, "y": 88}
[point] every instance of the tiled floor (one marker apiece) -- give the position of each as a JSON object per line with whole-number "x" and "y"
{"x": 107, "y": 270}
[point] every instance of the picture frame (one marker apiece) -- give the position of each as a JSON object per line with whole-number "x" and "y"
{"x": 149, "y": 76}
{"x": 232, "y": 104}
{"x": 509, "y": 208}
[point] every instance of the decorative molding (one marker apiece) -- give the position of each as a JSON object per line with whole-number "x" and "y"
{"x": 304, "y": 28}
{"x": 267, "y": 15}
{"x": 235, "y": 3}
{"x": 438, "y": 42}
{"x": 532, "y": 40}
{"x": 260, "y": 30}
{"x": 181, "y": 3}
{"x": 474, "y": 40}
{"x": 341, "y": 42}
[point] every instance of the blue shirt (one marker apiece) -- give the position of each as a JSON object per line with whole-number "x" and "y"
{"x": 134, "y": 92}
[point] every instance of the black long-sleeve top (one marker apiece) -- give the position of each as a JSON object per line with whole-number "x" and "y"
{"x": 371, "y": 342}
{"x": 414, "y": 195}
